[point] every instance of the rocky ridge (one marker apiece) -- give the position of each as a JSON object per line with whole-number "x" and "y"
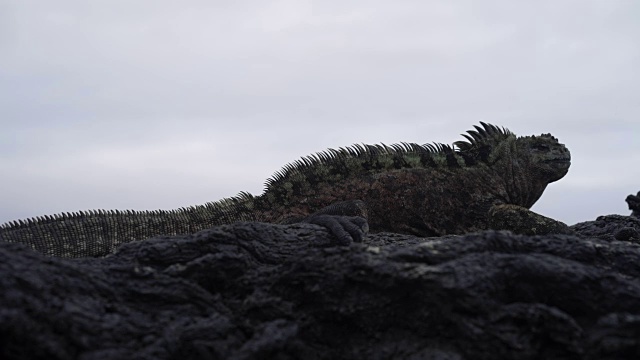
{"x": 255, "y": 290}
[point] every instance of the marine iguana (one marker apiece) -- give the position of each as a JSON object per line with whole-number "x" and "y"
{"x": 634, "y": 204}
{"x": 426, "y": 190}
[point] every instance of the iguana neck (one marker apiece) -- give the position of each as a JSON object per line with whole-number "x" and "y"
{"x": 518, "y": 173}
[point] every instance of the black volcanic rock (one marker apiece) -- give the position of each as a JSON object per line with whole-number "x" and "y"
{"x": 261, "y": 291}
{"x": 610, "y": 228}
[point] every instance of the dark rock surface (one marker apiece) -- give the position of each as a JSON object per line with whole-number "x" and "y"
{"x": 610, "y": 228}
{"x": 261, "y": 291}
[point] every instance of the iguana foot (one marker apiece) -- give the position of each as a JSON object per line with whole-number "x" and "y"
{"x": 521, "y": 220}
{"x": 634, "y": 204}
{"x": 346, "y": 229}
{"x": 346, "y": 220}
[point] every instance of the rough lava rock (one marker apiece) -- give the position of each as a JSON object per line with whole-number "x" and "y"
{"x": 263, "y": 291}
{"x": 610, "y": 228}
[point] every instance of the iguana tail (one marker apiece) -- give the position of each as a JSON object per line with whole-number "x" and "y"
{"x": 99, "y": 232}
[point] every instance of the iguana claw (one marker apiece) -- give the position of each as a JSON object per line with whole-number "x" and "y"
{"x": 346, "y": 229}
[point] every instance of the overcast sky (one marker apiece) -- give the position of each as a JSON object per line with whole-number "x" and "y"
{"x": 163, "y": 104}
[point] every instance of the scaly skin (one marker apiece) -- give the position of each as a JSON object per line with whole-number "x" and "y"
{"x": 426, "y": 190}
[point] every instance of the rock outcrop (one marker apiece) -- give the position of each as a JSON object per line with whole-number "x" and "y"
{"x": 262, "y": 291}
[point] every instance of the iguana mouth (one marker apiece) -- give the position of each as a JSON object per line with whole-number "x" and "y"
{"x": 559, "y": 160}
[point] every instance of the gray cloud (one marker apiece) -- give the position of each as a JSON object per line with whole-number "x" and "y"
{"x": 161, "y": 104}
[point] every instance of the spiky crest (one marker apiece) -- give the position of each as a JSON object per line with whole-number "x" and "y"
{"x": 364, "y": 153}
{"x": 486, "y": 135}
{"x": 211, "y": 209}
{"x": 358, "y": 157}
{"x": 480, "y": 140}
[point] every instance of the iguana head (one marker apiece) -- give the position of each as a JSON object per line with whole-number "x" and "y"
{"x": 548, "y": 158}
{"x": 542, "y": 157}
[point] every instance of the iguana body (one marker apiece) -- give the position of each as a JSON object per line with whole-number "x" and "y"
{"x": 634, "y": 204}
{"x": 426, "y": 190}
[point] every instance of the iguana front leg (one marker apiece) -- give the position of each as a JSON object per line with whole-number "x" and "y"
{"x": 346, "y": 220}
{"x": 521, "y": 220}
